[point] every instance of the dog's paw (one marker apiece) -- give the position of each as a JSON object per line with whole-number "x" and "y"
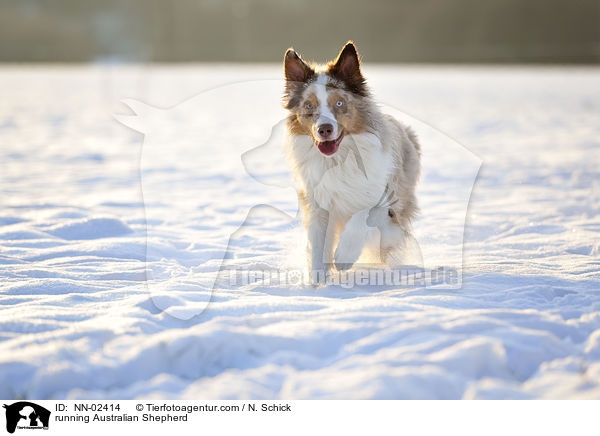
{"x": 318, "y": 277}
{"x": 343, "y": 266}
{"x": 347, "y": 253}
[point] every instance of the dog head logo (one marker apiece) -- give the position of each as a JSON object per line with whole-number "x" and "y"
{"x": 26, "y": 415}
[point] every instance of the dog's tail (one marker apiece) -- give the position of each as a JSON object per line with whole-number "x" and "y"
{"x": 414, "y": 139}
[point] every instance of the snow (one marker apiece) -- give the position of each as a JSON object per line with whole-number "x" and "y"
{"x": 79, "y": 320}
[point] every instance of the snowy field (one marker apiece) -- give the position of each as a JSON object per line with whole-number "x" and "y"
{"x": 77, "y": 319}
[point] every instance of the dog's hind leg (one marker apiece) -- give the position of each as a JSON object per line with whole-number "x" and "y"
{"x": 398, "y": 245}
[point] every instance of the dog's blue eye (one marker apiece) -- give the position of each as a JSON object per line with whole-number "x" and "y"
{"x": 339, "y": 103}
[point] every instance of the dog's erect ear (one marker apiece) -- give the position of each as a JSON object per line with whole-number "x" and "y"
{"x": 347, "y": 63}
{"x": 297, "y": 72}
{"x": 295, "y": 68}
{"x": 347, "y": 69}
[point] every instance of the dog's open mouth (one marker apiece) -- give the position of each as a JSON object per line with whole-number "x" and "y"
{"x": 329, "y": 147}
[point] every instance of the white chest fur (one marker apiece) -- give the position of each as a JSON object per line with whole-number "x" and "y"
{"x": 351, "y": 180}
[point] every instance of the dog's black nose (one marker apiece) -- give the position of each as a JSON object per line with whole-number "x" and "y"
{"x": 325, "y": 130}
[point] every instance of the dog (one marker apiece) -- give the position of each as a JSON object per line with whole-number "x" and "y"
{"x": 356, "y": 168}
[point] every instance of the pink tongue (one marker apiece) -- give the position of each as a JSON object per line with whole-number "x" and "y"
{"x": 327, "y": 147}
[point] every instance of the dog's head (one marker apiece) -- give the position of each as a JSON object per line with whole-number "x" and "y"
{"x": 327, "y": 102}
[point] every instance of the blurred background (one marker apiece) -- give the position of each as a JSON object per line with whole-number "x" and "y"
{"x": 490, "y": 31}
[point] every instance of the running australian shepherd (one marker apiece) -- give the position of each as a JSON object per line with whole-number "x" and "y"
{"x": 356, "y": 167}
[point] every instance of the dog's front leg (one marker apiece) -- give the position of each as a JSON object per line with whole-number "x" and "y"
{"x": 317, "y": 224}
{"x": 352, "y": 240}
